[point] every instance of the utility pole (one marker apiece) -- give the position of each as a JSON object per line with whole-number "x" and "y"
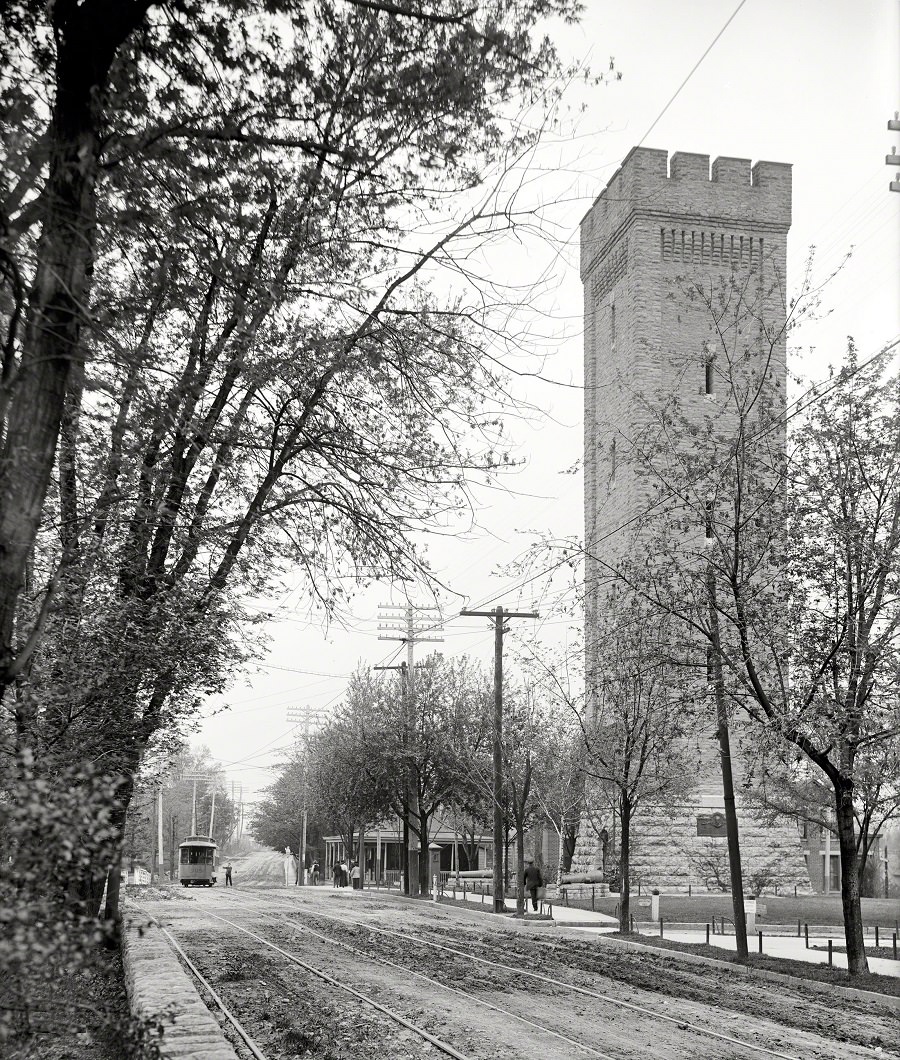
{"x": 404, "y": 843}
{"x": 410, "y": 625}
{"x": 212, "y": 812}
{"x": 303, "y": 716}
{"x": 232, "y": 817}
{"x": 499, "y": 616}
{"x": 174, "y": 848}
{"x": 159, "y": 838}
{"x": 195, "y": 777}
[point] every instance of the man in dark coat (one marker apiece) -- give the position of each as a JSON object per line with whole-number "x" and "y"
{"x": 533, "y": 880}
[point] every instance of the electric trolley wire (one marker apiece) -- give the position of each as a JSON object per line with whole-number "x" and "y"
{"x": 693, "y": 70}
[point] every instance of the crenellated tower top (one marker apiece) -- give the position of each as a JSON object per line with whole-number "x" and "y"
{"x": 649, "y": 184}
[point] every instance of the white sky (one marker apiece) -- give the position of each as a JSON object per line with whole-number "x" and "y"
{"x": 809, "y": 82}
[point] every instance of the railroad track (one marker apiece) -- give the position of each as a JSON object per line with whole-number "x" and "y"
{"x": 442, "y": 1046}
{"x": 293, "y": 913}
{"x": 356, "y": 952}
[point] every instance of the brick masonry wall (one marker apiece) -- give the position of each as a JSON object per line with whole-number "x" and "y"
{"x": 660, "y": 227}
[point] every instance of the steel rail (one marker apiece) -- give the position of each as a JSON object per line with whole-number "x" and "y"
{"x": 229, "y": 1015}
{"x": 445, "y": 1047}
{"x": 248, "y": 1041}
{"x": 378, "y": 959}
{"x": 632, "y": 1006}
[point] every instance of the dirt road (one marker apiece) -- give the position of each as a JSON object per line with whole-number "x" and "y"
{"x": 486, "y": 989}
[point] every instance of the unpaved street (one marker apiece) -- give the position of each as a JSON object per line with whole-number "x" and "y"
{"x": 630, "y": 1004}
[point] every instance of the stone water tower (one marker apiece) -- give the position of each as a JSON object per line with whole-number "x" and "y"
{"x": 661, "y": 223}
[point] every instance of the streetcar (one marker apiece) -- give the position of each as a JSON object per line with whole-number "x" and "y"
{"x": 197, "y": 861}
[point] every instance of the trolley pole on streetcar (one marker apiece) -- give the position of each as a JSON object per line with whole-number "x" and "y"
{"x": 499, "y": 616}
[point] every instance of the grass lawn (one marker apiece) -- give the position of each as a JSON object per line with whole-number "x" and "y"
{"x": 878, "y": 984}
{"x": 701, "y": 908}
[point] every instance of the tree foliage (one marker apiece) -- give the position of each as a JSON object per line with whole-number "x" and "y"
{"x": 797, "y": 559}
{"x": 223, "y": 353}
{"x": 52, "y": 831}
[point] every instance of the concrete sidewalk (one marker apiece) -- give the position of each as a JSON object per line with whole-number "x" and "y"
{"x": 786, "y": 946}
{"x": 563, "y": 915}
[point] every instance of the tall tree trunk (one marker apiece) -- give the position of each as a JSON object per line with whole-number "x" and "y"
{"x": 87, "y": 36}
{"x": 731, "y": 821}
{"x": 625, "y": 863}
{"x": 857, "y": 963}
{"x": 112, "y": 914}
{"x": 424, "y": 858}
{"x": 521, "y": 899}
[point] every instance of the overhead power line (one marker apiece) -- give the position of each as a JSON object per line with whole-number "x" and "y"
{"x": 694, "y": 69}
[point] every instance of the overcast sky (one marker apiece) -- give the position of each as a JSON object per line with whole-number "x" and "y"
{"x": 809, "y": 82}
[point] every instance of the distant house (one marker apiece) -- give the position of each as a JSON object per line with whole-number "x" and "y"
{"x": 384, "y": 849}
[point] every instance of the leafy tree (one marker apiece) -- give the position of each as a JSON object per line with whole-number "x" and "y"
{"x": 277, "y": 820}
{"x": 175, "y": 775}
{"x": 351, "y": 780}
{"x": 796, "y": 592}
{"x": 789, "y": 788}
{"x": 231, "y": 347}
{"x": 523, "y": 735}
{"x": 556, "y": 673}
{"x": 437, "y": 729}
{"x": 388, "y": 753}
{"x": 52, "y": 831}
{"x": 638, "y": 722}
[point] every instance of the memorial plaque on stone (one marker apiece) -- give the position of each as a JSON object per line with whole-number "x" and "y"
{"x": 711, "y": 824}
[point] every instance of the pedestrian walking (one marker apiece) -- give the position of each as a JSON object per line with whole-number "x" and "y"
{"x": 228, "y": 882}
{"x": 336, "y": 874}
{"x": 533, "y": 880}
{"x": 314, "y": 873}
{"x": 345, "y": 874}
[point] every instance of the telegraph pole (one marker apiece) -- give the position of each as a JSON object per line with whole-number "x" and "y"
{"x": 499, "y": 616}
{"x": 411, "y": 626}
{"x": 195, "y": 777}
{"x": 174, "y": 848}
{"x": 159, "y": 838}
{"x": 405, "y": 840}
{"x": 303, "y": 716}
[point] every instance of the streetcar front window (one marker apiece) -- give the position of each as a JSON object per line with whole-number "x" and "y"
{"x": 197, "y": 856}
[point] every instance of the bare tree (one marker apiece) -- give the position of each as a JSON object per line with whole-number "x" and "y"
{"x": 803, "y": 555}
{"x": 638, "y": 721}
